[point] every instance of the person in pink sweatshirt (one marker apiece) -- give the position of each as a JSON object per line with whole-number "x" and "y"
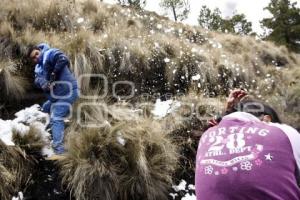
{"x": 248, "y": 155}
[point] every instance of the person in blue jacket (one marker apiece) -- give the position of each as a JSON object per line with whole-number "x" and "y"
{"x": 53, "y": 76}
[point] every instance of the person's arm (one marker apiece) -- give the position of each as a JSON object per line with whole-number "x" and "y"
{"x": 233, "y": 99}
{"x": 42, "y": 83}
{"x": 59, "y": 61}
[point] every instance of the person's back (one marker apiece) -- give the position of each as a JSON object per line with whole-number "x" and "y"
{"x": 244, "y": 158}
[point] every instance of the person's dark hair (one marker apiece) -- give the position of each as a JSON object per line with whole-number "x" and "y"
{"x": 30, "y": 49}
{"x": 258, "y": 109}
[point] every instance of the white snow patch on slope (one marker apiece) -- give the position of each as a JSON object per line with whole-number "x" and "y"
{"x": 19, "y": 197}
{"x": 189, "y": 197}
{"x": 181, "y": 186}
{"x": 25, "y": 118}
{"x": 162, "y": 108}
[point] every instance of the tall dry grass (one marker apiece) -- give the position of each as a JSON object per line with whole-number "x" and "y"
{"x": 131, "y": 160}
{"x": 15, "y": 171}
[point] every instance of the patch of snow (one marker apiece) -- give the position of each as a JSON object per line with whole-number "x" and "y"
{"x": 162, "y": 108}
{"x": 6, "y": 132}
{"x": 220, "y": 46}
{"x": 189, "y": 197}
{"x": 194, "y": 50}
{"x": 167, "y": 60}
{"x": 120, "y": 139}
{"x": 80, "y": 20}
{"x": 180, "y": 187}
{"x": 191, "y": 187}
{"x": 25, "y": 118}
{"x": 196, "y": 77}
{"x": 19, "y": 197}
{"x": 30, "y": 115}
{"x": 173, "y": 195}
{"x": 159, "y": 26}
{"x": 47, "y": 151}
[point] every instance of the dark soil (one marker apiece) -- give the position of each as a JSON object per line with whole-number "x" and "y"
{"x": 46, "y": 183}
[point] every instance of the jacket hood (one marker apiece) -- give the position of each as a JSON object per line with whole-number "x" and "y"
{"x": 43, "y": 46}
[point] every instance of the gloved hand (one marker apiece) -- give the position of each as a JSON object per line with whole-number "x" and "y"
{"x": 52, "y": 77}
{"x": 46, "y": 87}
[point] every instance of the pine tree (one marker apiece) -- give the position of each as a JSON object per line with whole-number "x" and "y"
{"x": 210, "y": 20}
{"x": 213, "y": 20}
{"x": 284, "y": 25}
{"x": 180, "y": 8}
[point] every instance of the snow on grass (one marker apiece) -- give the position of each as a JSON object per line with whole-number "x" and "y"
{"x": 191, "y": 187}
{"x": 196, "y": 77}
{"x": 180, "y": 187}
{"x": 80, "y": 20}
{"x": 162, "y": 108}
{"x": 183, "y": 190}
{"x": 189, "y": 197}
{"x": 173, "y": 195}
{"x": 25, "y": 118}
{"x": 19, "y": 197}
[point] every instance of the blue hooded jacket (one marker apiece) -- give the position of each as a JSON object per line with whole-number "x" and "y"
{"x": 52, "y": 60}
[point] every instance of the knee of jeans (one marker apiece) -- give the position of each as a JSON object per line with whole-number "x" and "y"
{"x": 57, "y": 120}
{"x": 46, "y": 107}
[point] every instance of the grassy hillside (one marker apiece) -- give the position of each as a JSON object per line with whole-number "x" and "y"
{"x": 158, "y": 55}
{"x": 162, "y": 59}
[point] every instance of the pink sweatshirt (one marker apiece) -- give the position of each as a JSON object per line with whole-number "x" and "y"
{"x": 245, "y": 159}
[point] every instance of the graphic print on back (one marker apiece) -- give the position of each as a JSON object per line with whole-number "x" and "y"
{"x": 232, "y": 148}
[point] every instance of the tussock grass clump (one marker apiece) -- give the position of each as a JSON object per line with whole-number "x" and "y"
{"x": 15, "y": 170}
{"x": 89, "y": 6}
{"x": 126, "y": 161}
{"x": 53, "y": 15}
{"x": 32, "y": 141}
{"x": 185, "y": 126}
{"x": 12, "y": 85}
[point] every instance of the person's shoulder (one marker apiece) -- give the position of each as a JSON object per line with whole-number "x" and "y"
{"x": 51, "y": 53}
{"x": 242, "y": 116}
{"x": 289, "y": 130}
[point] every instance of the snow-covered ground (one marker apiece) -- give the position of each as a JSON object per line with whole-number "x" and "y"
{"x": 187, "y": 191}
{"x": 25, "y": 118}
{"x": 162, "y": 108}
{"x": 19, "y": 197}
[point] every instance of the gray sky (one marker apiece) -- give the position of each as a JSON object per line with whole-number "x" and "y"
{"x": 253, "y": 9}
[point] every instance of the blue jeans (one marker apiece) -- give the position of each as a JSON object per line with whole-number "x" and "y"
{"x": 58, "y": 111}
